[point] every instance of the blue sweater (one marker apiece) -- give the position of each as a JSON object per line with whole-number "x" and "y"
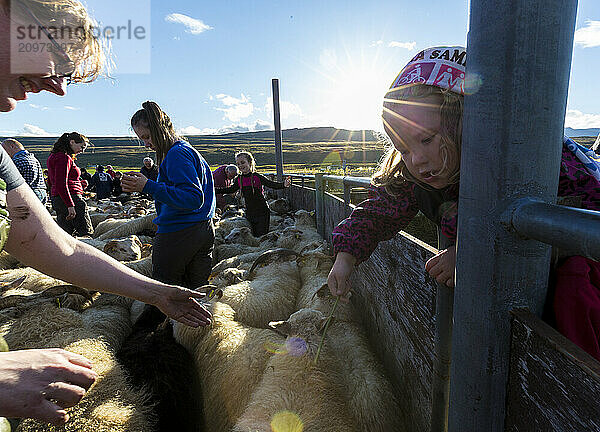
{"x": 183, "y": 192}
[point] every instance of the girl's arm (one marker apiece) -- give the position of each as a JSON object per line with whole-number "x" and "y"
{"x": 272, "y": 184}
{"x": 377, "y": 219}
{"x": 227, "y": 190}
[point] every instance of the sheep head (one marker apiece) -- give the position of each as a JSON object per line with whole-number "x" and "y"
{"x": 126, "y": 249}
{"x": 303, "y": 323}
{"x": 242, "y": 235}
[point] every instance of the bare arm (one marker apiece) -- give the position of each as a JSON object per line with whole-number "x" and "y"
{"x": 37, "y": 241}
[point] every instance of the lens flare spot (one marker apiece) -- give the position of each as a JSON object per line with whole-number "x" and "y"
{"x": 286, "y": 421}
{"x": 473, "y": 83}
{"x": 296, "y": 346}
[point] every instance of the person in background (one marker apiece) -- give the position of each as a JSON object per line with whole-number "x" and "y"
{"x": 223, "y": 177}
{"x": 110, "y": 171}
{"x": 184, "y": 198}
{"x": 149, "y": 170}
{"x": 116, "y": 184}
{"x": 251, "y": 184}
{"x": 29, "y": 167}
{"x": 86, "y": 179}
{"x": 42, "y": 383}
{"x": 66, "y": 188}
{"x": 102, "y": 182}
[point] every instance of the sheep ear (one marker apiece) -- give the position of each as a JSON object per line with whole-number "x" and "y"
{"x": 111, "y": 245}
{"x": 281, "y": 327}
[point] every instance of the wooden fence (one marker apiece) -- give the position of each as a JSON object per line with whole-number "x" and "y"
{"x": 554, "y": 385}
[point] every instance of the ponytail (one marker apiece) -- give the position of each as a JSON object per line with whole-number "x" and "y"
{"x": 63, "y": 144}
{"x": 158, "y": 123}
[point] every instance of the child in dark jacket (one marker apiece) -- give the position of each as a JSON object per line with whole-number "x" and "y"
{"x": 251, "y": 184}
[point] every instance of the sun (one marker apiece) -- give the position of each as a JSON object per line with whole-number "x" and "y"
{"x": 352, "y": 92}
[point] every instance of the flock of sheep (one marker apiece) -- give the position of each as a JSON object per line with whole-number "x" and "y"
{"x": 253, "y": 369}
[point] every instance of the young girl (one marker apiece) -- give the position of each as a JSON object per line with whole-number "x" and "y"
{"x": 184, "y": 197}
{"x": 251, "y": 184}
{"x": 422, "y": 116}
{"x": 65, "y": 184}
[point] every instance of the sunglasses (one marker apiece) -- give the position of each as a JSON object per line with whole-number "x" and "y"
{"x": 64, "y": 67}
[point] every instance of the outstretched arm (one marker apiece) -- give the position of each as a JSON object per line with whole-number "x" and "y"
{"x": 37, "y": 241}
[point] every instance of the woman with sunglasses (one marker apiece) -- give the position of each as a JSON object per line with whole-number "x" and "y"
{"x": 42, "y": 383}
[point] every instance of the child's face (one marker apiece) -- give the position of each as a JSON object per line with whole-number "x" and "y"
{"x": 143, "y": 133}
{"x": 243, "y": 164}
{"x": 415, "y": 132}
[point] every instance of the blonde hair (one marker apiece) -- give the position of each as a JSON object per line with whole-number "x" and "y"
{"x": 392, "y": 171}
{"x": 162, "y": 132}
{"x": 249, "y": 158}
{"x": 85, "y": 50}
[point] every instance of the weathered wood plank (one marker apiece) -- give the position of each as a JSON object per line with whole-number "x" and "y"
{"x": 553, "y": 384}
{"x": 397, "y": 302}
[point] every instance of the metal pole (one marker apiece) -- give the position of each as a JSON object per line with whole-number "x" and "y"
{"x": 319, "y": 203}
{"x": 440, "y": 391}
{"x": 347, "y": 189}
{"x": 277, "y": 123}
{"x": 519, "y": 52}
{"x": 574, "y": 231}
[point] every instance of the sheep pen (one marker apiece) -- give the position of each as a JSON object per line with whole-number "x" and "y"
{"x": 253, "y": 368}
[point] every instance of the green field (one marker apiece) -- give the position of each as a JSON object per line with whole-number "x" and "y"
{"x": 327, "y": 151}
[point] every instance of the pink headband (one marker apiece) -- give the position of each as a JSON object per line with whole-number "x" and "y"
{"x": 442, "y": 67}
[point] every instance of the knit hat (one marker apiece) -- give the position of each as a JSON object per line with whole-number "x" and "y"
{"x": 442, "y": 67}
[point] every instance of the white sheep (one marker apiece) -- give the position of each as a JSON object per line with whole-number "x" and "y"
{"x": 107, "y": 225}
{"x": 242, "y": 235}
{"x": 134, "y": 226}
{"x": 226, "y": 225}
{"x": 230, "y": 359}
{"x": 296, "y": 238}
{"x": 270, "y": 295}
{"x": 124, "y": 249}
{"x": 295, "y": 393}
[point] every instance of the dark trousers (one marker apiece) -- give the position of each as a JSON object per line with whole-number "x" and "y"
{"x": 259, "y": 221}
{"x": 81, "y": 225}
{"x": 184, "y": 257}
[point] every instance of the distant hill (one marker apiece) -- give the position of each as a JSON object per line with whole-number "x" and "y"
{"x": 307, "y": 135}
{"x": 307, "y": 146}
{"x": 592, "y": 132}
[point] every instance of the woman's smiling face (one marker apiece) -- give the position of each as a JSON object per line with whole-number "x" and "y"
{"x": 243, "y": 164}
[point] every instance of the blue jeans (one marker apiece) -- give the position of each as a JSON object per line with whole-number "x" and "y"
{"x": 41, "y": 194}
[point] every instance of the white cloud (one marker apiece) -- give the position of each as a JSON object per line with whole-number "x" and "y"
{"x": 236, "y": 109}
{"x": 406, "y": 45}
{"x": 32, "y": 130}
{"x": 376, "y": 43}
{"x": 578, "y": 120}
{"x": 328, "y": 59}
{"x": 262, "y": 125}
{"x": 192, "y": 25}
{"x": 191, "y": 130}
{"x": 588, "y": 36}
{"x": 72, "y": 108}
{"x": 286, "y": 109}
{"x": 43, "y": 108}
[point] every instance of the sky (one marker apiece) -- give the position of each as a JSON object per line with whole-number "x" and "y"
{"x": 209, "y": 64}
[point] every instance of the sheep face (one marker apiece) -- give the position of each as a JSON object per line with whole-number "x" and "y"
{"x": 243, "y": 236}
{"x": 280, "y": 206}
{"x": 126, "y": 249}
{"x": 303, "y": 323}
{"x": 305, "y": 218}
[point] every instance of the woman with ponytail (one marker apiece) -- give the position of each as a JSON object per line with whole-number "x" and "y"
{"x": 184, "y": 197}
{"x": 65, "y": 184}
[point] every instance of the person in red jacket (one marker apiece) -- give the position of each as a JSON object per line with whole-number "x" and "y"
{"x": 65, "y": 185}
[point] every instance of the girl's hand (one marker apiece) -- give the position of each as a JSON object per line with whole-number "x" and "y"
{"x": 441, "y": 266}
{"x": 133, "y": 182}
{"x": 338, "y": 279}
{"x": 287, "y": 182}
{"x": 71, "y": 213}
